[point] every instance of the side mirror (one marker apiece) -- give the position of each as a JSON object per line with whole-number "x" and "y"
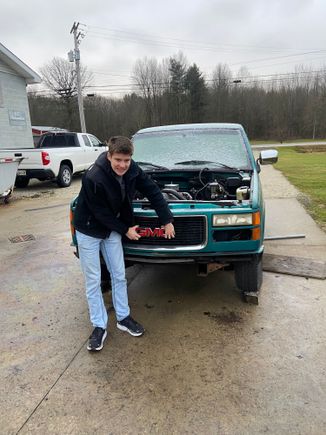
{"x": 267, "y": 157}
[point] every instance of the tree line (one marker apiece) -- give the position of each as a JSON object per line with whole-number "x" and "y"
{"x": 172, "y": 91}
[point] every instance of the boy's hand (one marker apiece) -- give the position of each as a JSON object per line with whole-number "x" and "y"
{"x": 169, "y": 231}
{"x": 132, "y": 233}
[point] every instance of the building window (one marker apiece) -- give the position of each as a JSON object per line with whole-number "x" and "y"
{"x": 17, "y": 117}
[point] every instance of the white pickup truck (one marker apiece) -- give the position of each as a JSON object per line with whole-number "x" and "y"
{"x": 58, "y": 156}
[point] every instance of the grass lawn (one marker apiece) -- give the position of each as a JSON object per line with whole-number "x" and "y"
{"x": 272, "y": 141}
{"x": 306, "y": 170}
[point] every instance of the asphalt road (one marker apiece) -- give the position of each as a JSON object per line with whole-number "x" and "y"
{"x": 207, "y": 364}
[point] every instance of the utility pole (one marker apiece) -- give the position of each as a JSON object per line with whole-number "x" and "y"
{"x": 74, "y": 56}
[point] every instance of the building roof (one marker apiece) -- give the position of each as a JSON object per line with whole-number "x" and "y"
{"x": 19, "y": 66}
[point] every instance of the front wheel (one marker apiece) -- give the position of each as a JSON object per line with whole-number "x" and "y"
{"x": 249, "y": 274}
{"x": 65, "y": 176}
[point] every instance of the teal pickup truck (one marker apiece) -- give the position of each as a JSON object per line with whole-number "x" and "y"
{"x": 210, "y": 179}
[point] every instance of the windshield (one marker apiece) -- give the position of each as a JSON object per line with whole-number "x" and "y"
{"x": 197, "y": 147}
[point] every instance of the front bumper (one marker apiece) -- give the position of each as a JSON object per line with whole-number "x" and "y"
{"x": 200, "y": 259}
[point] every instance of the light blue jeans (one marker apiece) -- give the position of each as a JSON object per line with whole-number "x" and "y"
{"x": 89, "y": 254}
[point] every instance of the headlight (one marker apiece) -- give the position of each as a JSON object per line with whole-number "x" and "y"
{"x": 232, "y": 220}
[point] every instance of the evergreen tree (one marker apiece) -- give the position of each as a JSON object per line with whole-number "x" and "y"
{"x": 177, "y": 69}
{"x": 197, "y": 93}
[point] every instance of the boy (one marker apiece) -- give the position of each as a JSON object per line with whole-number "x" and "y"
{"x": 102, "y": 216}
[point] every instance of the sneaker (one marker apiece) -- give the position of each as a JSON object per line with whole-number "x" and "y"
{"x": 96, "y": 339}
{"x": 130, "y": 325}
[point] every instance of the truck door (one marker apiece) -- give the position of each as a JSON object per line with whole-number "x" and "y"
{"x": 89, "y": 152}
{"x": 64, "y": 146}
{"x": 95, "y": 145}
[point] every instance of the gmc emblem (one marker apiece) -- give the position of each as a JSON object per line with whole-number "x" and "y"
{"x": 149, "y": 232}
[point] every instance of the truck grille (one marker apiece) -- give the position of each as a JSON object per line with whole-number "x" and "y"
{"x": 189, "y": 231}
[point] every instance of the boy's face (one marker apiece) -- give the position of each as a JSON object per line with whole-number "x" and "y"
{"x": 120, "y": 163}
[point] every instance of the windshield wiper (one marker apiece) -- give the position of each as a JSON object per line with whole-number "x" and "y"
{"x": 153, "y": 165}
{"x": 203, "y": 162}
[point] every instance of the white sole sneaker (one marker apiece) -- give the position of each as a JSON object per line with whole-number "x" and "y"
{"x": 124, "y": 328}
{"x": 101, "y": 345}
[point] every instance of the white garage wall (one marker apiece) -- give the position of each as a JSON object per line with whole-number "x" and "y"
{"x": 15, "y": 123}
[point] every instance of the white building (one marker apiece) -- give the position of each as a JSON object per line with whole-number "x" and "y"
{"x": 15, "y": 123}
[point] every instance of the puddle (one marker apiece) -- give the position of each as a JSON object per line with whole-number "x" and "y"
{"x": 228, "y": 317}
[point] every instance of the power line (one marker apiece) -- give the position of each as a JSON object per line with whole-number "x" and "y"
{"x": 284, "y": 63}
{"x": 151, "y": 42}
{"x": 188, "y": 46}
{"x": 278, "y": 57}
{"x": 133, "y": 37}
{"x": 110, "y": 74}
{"x": 104, "y": 30}
{"x": 206, "y": 48}
{"x": 291, "y": 76}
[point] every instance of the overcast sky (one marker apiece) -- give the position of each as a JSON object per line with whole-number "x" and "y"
{"x": 266, "y": 36}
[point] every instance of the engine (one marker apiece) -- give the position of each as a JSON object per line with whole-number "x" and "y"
{"x": 208, "y": 186}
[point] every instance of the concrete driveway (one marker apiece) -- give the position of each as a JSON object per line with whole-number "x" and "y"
{"x": 207, "y": 364}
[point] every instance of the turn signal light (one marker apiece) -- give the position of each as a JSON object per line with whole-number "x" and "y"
{"x": 256, "y": 221}
{"x": 256, "y": 218}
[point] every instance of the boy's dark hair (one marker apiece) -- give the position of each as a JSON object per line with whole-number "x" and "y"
{"x": 120, "y": 144}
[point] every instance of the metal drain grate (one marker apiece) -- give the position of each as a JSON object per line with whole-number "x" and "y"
{"x": 24, "y": 238}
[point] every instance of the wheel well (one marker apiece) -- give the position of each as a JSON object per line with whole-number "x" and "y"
{"x": 67, "y": 163}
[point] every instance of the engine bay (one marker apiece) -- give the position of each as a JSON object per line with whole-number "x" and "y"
{"x": 202, "y": 185}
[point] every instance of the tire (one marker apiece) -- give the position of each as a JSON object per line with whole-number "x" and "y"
{"x": 21, "y": 181}
{"x": 249, "y": 274}
{"x": 65, "y": 176}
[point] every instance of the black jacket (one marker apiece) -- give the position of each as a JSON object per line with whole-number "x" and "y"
{"x": 100, "y": 200}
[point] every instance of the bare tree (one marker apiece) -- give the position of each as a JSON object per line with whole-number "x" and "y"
{"x": 222, "y": 76}
{"x": 221, "y": 82}
{"x": 59, "y": 76}
{"x": 148, "y": 75}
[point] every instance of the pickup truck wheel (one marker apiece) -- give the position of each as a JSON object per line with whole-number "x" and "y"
{"x": 65, "y": 176}
{"x": 21, "y": 181}
{"x": 249, "y": 274}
